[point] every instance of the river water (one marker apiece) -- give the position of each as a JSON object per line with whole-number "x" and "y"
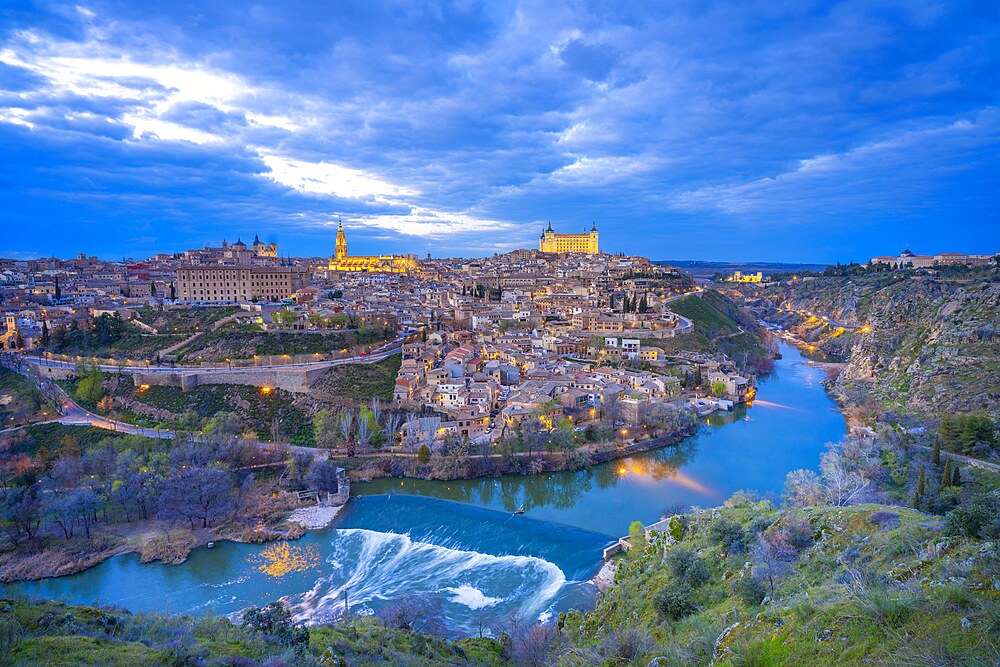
{"x": 458, "y": 543}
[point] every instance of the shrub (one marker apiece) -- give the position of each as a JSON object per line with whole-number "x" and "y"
{"x": 729, "y": 534}
{"x": 750, "y": 590}
{"x": 884, "y": 519}
{"x": 674, "y": 601}
{"x": 975, "y": 518}
{"x": 423, "y": 454}
{"x": 637, "y": 538}
{"x": 768, "y": 653}
{"x": 688, "y": 567}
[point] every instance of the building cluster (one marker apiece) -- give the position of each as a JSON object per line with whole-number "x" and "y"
{"x": 911, "y": 260}
{"x": 488, "y": 342}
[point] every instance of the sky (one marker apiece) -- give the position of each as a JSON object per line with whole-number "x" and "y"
{"x": 764, "y": 130}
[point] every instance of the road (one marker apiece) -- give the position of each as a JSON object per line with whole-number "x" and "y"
{"x": 76, "y": 415}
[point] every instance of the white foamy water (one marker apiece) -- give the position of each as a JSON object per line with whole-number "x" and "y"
{"x": 471, "y": 597}
{"x": 373, "y": 568}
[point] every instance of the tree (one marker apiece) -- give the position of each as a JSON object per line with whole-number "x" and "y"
{"x": 45, "y": 333}
{"x": 949, "y": 432}
{"x": 390, "y": 430}
{"x": 275, "y": 621}
{"x": 62, "y": 513}
{"x": 345, "y": 429}
{"x": 84, "y": 503}
{"x": 322, "y": 477}
{"x": 643, "y": 304}
{"x": 936, "y": 451}
{"x": 718, "y": 389}
{"x": 325, "y": 428}
{"x": 803, "y": 489}
{"x": 956, "y": 476}
{"x": 173, "y": 292}
{"x": 198, "y": 494}
{"x": 58, "y": 290}
{"x": 946, "y": 475}
{"x": 423, "y": 454}
{"x": 89, "y": 389}
{"x": 637, "y": 538}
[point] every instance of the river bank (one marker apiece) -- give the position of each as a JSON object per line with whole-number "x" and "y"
{"x": 152, "y": 540}
{"x": 540, "y": 562}
{"x": 459, "y": 467}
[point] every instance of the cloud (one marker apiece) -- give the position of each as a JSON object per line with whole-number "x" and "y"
{"x": 448, "y": 125}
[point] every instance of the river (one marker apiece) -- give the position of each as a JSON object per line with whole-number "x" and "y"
{"x": 458, "y": 542}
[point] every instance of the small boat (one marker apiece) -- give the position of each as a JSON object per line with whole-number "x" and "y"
{"x": 520, "y": 510}
{"x": 210, "y": 545}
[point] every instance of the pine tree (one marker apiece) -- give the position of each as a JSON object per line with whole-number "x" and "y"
{"x": 956, "y": 476}
{"x": 950, "y": 431}
{"x": 946, "y": 475}
{"x": 936, "y": 451}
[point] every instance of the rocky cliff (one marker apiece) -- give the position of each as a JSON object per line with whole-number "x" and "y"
{"x": 926, "y": 345}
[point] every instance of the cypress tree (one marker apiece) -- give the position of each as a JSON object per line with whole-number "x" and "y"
{"x": 936, "y": 452}
{"x": 921, "y": 482}
{"x": 916, "y": 499}
{"x": 58, "y": 290}
{"x": 643, "y": 304}
{"x": 946, "y": 475}
{"x": 956, "y": 476}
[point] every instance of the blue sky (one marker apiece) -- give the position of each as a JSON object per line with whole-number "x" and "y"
{"x": 771, "y": 130}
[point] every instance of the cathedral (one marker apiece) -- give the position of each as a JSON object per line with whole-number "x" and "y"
{"x": 342, "y": 261}
{"x": 585, "y": 242}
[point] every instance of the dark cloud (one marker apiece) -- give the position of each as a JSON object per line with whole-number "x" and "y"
{"x": 715, "y": 129}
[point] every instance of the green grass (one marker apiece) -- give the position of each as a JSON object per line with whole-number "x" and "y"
{"x": 20, "y": 400}
{"x": 51, "y": 633}
{"x": 362, "y": 381}
{"x": 237, "y": 342}
{"x": 183, "y": 320}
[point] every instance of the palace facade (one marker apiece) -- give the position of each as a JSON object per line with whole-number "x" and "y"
{"x": 586, "y": 242}
{"x": 222, "y": 283}
{"x": 342, "y": 261}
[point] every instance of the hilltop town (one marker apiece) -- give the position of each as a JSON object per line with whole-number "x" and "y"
{"x": 565, "y": 337}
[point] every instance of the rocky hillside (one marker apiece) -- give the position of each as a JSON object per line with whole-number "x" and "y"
{"x": 920, "y": 345}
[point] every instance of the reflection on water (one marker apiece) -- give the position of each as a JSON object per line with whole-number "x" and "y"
{"x": 476, "y": 564}
{"x": 281, "y": 558}
{"x": 787, "y": 428}
{"x": 485, "y": 559}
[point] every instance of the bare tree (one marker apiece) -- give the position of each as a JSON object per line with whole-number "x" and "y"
{"x": 843, "y": 485}
{"x": 391, "y": 428}
{"x": 364, "y": 433}
{"x": 345, "y": 428}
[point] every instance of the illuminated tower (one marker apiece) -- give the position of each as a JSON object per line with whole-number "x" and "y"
{"x": 341, "y": 251}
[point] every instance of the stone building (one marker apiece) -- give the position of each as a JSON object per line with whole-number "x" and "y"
{"x": 586, "y": 242}
{"x": 234, "y": 284}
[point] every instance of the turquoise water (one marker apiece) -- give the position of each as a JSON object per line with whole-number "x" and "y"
{"x": 752, "y": 448}
{"x": 459, "y": 542}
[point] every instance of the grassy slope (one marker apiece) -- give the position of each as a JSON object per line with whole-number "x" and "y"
{"x": 50, "y": 633}
{"x": 20, "y": 400}
{"x": 362, "y": 381}
{"x": 910, "y": 611}
{"x": 714, "y": 328}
